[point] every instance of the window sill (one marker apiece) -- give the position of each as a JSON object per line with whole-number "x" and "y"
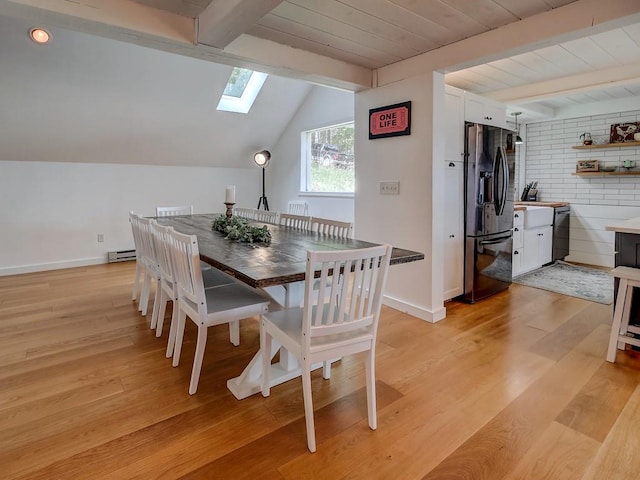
{"x": 327, "y": 194}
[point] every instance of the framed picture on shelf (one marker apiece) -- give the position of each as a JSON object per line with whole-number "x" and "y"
{"x": 587, "y": 166}
{"x": 623, "y": 132}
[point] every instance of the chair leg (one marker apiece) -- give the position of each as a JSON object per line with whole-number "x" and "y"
{"x": 265, "y": 348}
{"x": 136, "y": 283}
{"x": 617, "y": 320}
{"x": 177, "y": 346}
{"x": 197, "y": 359}
{"x": 326, "y": 369}
{"x": 164, "y": 299}
{"x": 370, "y": 372}
{"x": 144, "y": 296}
{"x": 172, "y": 328}
{"x": 156, "y": 304}
{"x": 308, "y": 405}
{"x": 234, "y": 333}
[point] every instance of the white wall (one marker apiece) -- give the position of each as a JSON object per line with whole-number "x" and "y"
{"x": 322, "y": 107}
{"x": 413, "y": 219}
{"x": 595, "y": 201}
{"x": 88, "y": 99}
{"x": 58, "y": 208}
{"x": 53, "y": 212}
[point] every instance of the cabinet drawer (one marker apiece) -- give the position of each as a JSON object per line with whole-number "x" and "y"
{"x": 518, "y": 218}
{"x": 516, "y": 262}
{"x": 518, "y": 237}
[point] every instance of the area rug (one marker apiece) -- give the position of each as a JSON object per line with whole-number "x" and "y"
{"x": 573, "y": 280}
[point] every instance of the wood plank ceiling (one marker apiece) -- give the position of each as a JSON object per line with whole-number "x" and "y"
{"x": 375, "y": 33}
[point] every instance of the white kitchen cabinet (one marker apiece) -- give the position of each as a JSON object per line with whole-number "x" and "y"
{"x": 454, "y": 124}
{"x": 518, "y": 242}
{"x": 483, "y": 110}
{"x": 453, "y": 196}
{"x": 454, "y": 230}
{"x": 537, "y": 247}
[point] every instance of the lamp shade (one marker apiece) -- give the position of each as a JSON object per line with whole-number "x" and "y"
{"x": 518, "y": 140}
{"x": 262, "y": 158}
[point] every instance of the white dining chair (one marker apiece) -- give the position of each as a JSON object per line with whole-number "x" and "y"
{"x": 266, "y": 216}
{"x": 206, "y": 307}
{"x": 300, "y": 222}
{"x": 173, "y": 211}
{"x": 319, "y": 332}
{"x": 298, "y": 207}
{"x": 327, "y": 226}
{"x": 211, "y": 277}
{"x": 135, "y": 230}
{"x": 248, "y": 213}
{"x": 151, "y": 269}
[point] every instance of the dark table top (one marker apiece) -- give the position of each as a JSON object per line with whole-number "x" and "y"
{"x": 283, "y": 261}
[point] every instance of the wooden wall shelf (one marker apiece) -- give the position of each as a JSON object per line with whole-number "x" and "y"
{"x": 605, "y": 174}
{"x": 607, "y": 145}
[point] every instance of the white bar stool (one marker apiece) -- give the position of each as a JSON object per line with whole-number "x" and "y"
{"x": 629, "y": 278}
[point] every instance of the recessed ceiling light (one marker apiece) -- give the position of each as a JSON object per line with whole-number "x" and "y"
{"x": 39, "y": 35}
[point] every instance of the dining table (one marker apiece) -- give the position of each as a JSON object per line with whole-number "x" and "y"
{"x": 277, "y": 268}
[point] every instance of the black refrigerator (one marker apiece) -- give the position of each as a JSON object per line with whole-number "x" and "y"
{"x": 488, "y": 209}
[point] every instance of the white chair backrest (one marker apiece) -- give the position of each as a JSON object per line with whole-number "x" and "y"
{"x": 266, "y": 216}
{"x": 148, "y": 250}
{"x": 298, "y": 207}
{"x": 185, "y": 258}
{"x": 135, "y": 230}
{"x": 295, "y": 221}
{"x": 161, "y": 236}
{"x": 356, "y": 303}
{"x": 248, "y": 213}
{"x": 326, "y": 226}
{"x": 173, "y": 211}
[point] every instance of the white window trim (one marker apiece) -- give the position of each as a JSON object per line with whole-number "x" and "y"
{"x": 244, "y": 103}
{"x": 305, "y": 153}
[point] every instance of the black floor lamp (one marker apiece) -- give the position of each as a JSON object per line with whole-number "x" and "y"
{"x": 262, "y": 159}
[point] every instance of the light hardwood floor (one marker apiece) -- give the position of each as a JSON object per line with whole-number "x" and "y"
{"x": 512, "y": 387}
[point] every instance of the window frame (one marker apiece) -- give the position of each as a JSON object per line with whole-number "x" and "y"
{"x": 243, "y": 103}
{"x": 306, "y": 159}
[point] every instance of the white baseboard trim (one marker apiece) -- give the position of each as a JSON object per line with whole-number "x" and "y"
{"x": 422, "y": 313}
{"x": 41, "y": 267}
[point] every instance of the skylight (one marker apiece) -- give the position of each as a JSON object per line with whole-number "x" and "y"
{"x": 241, "y": 90}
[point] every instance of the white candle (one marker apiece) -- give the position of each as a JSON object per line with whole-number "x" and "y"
{"x": 230, "y": 194}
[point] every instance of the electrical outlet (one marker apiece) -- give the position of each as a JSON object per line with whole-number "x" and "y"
{"x": 100, "y": 237}
{"x": 389, "y": 188}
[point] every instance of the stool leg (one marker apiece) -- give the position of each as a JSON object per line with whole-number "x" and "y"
{"x": 617, "y": 319}
{"x": 626, "y": 313}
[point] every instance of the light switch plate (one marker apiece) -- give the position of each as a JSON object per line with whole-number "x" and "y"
{"x": 389, "y": 188}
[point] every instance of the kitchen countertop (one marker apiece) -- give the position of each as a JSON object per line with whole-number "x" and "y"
{"x": 625, "y": 226}
{"x": 542, "y": 204}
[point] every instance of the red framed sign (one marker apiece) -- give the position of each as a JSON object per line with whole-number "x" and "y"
{"x": 390, "y": 121}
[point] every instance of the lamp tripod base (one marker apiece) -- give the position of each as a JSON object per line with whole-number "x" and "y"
{"x": 264, "y": 202}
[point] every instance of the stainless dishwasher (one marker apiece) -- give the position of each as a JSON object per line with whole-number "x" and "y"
{"x": 561, "y": 219}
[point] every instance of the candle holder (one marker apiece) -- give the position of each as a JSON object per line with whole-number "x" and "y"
{"x": 229, "y": 212}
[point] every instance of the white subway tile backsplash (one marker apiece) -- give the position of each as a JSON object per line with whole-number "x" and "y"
{"x": 551, "y": 160}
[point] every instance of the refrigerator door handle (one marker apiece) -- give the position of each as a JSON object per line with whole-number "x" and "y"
{"x": 500, "y": 162}
{"x": 505, "y": 183}
{"x": 495, "y": 240}
{"x": 496, "y": 174}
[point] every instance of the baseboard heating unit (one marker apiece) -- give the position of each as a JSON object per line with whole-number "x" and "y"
{"x": 121, "y": 256}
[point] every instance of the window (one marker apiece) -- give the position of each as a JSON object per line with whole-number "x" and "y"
{"x": 328, "y": 160}
{"x": 241, "y": 90}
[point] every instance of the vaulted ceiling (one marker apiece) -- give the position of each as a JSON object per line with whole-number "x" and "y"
{"x": 582, "y": 51}
{"x": 341, "y": 42}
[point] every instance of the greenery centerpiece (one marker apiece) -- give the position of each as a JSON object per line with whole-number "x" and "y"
{"x": 238, "y": 228}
